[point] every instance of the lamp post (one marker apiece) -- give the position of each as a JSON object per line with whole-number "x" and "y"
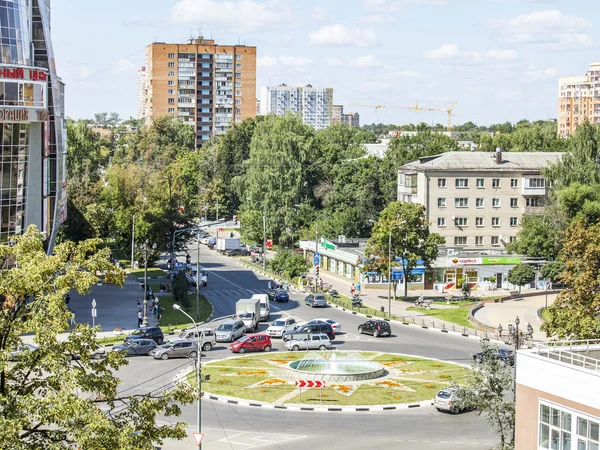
{"x": 264, "y": 241}
{"x": 132, "y": 238}
{"x": 198, "y": 284}
{"x": 199, "y": 335}
{"x": 145, "y": 319}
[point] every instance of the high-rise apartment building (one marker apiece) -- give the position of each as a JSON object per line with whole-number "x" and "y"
{"x": 313, "y": 105}
{"x": 351, "y": 119}
{"x": 578, "y": 99}
{"x": 142, "y": 92}
{"x": 207, "y": 85}
{"x": 32, "y": 123}
{"x": 337, "y": 114}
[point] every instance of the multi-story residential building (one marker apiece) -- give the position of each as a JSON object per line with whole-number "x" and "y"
{"x": 337, "y": 112}
{"x": 258, "y": 107}
{"x": 557, "y": 403}
{"x": 578, "y": 100}
{"x": 32, "y": 123}
{"x": 207, "y": 85}
{"x": 476, "y": 201}
{"x": 142, "y": 92}
{"x": 351, "y": 119}
{"x": 313, "y": 105}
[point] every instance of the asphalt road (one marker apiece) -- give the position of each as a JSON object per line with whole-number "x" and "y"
{"x": 238, "y": 427}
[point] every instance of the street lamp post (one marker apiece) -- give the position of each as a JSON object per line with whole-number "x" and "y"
{"x": 265, "y": 241}
{"x": 198, "y": 284}
{"x": 390, "y": 274}
{"x": 199, "y": 335}
{"x": 316, "y": 251}
{"x": 145, "y": 319}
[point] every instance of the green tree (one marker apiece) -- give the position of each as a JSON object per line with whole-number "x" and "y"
{"x": 539, "y": 237}
{"x": 410, "y": 238}
{"x": 49, "y": 401}
{"x": 180, "y": 288}
{"x": 521, "y": 275}
{"x": 288, "y": 263}
{"x": 552, "y": 270}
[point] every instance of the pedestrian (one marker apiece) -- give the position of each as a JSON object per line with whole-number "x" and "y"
{"x": 270, "y": 285}
{"x": 321, "y": 285}
{"x": 352, "y": 289}
{"x": 155, "y": 313}
{"x": 550, "y": 285}
{"x": 139, "y": 305}
{"x": 287, "y": 286}
{"x": 421, "y": 300}
{"x": 162, "y": 289}
{"x": 72, "y": 319}
{"x": 140, "y": 318}
{"x": 358, "y": 288}
{"x": 68, "y": 301}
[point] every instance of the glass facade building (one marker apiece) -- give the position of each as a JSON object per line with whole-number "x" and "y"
{"x": 32, "y": 123}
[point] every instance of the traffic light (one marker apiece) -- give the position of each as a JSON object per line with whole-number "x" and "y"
{"x": 317, "y": 271}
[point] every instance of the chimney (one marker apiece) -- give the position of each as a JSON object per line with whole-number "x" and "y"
{"x": 498, "y": 155}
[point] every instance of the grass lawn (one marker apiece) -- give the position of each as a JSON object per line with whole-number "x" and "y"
{"x": 152, "y": 272}
{"x": 452, "y": 315}
{"x": 173, "y": 318}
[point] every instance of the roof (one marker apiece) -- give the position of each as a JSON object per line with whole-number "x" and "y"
{"x": 478, "y": 161}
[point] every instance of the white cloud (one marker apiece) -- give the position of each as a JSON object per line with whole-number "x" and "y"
{"x": 396, "y": 5}
{"x": 501, "y": 54}
{"x": 375, "y": 86}
{"x": 452, "y": 53}
{"x": 298, "y": 63}
{"x": 367, "y": 61}
{"x": 84, "y": 72}
{"x": 122, "y": 65}
{"x": 333, "y": 62}
{"x": 380, "y": 18}
{"x": 548, "y": 30}
{"x": 295, "y": 61}
{"x": 406, "y": 74}
{"x": 549, "y": 73}
{"x": 508, "y": 94}
{"x": 266, "y": 61}
{"x": 446, "y": 51}
{"x": 319, "y": 14}
{"x": 340, "y": 35}
{"x": 244, "y": 15}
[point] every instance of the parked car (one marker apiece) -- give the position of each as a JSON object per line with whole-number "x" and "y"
{"x": 313, "y": 300}
{"x": 252, "y": 343}
{"x": 98, "y": 352}
{"x": 337, "y": 327}
{"x": 205, "y": 240}
{"x": 314, "y": 328}
{"x": 177, "y": 348}
{"x": 447, "y": 400}
{"x": 316, "y": 341}
{"x": 503, "y": 354}
{"x": 154, "y": 333}
{"x": 281, "y": 295}
{"x": 230, "y": 331}
{"x": 136, "y": 347}
{"x": 207, "y": 341}
{"x": 16, "y": 353}
{"x": 376, "y": 328}
{"x": 236, "y": 252}
{"x": 280, "y": 326}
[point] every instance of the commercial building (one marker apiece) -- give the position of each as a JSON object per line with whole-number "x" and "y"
{"x": 32, "y": 123}
{"x": 351, "y": 119}
{"x": 142, "y": 92}
{"x": 212, "y": 87}
{"x": 557, "y": 402}
{"x": 578, "y": 100}
{"x": 313, "y": 105}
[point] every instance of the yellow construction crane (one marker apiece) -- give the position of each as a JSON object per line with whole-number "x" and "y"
{"x": 416, "y": 108}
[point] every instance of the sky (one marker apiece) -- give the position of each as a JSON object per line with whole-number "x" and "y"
{"x": 499, "y": 60}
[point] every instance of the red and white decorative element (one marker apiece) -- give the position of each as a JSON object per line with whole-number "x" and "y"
{"x": 310, "y": 384}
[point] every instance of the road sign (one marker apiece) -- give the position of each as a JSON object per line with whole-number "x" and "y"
{"x": 197, "y": 437}
{"x": 94, "y": 314}
{"x": 310, "y": 384}
{"x": 94, "y": 304}
{"x": 317, "y": 259}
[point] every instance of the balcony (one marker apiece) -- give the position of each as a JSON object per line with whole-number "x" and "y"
{"x": 407, "y": 189}
{"x": 533, "y": 209}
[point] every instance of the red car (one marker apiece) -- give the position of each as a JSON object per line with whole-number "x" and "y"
{"x": 252, "y": 343}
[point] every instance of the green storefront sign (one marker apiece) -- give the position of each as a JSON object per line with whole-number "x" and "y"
{"x": 327, "y": 245}
{"x": 500, "y": 260}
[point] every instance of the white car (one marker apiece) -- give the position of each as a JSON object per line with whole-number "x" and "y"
{"x": 280, "y": 326}
{"x": 337, "y": 327}
{"x": 205, "y": 240}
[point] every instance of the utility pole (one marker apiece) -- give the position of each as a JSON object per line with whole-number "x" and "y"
{"x": 132, "y": 238}
{"x": 265, "y": 241}
{"x": 390, "y": 275}
{"x": 198, "y": 279}
{"x": 316, "y": 251}
{"x": 217, "y": 212}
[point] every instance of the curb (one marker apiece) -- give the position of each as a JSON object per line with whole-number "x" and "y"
{"x": 150, "y": 278}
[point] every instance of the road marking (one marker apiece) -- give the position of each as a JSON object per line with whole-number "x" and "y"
{"x": 253, "y": 439}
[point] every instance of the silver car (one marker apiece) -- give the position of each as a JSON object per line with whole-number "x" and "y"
{"x": 208, "y": 340}
{"x": 317, "y": 341}
{"x": 178, "y": 348}
{"x": 230, "y": 331}
{"x": 447, "y": 400}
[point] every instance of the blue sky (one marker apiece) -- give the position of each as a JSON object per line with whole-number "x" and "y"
{"x": 499, "y": 59}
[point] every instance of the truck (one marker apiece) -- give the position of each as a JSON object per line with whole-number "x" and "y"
{"x": 265, "y": 306}
{"x": 228, "y": 244}
{"x": 248, "y": 311}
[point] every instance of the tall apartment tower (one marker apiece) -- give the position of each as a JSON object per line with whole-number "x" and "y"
{"x": 313, "y": 105}
{"x": 578, "y": 99}
{"x": 351, "y": 119}
{"x": 32, "y": 124}
{"x": 142, "y": 92}
{"x": 212, "y": 87}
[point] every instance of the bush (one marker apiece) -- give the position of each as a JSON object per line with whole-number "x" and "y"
{"x": 180, "y": 289}
{"x": 288, "y": 263}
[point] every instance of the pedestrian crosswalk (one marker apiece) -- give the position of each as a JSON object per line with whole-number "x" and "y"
{"x": 238, "y": 292}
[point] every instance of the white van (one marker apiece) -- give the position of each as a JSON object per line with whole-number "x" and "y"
{"x": 190, "y": 273}
{"x": 265, "y": 306}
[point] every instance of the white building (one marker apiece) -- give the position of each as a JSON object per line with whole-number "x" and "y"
{"x": 142, "y": 92}
{"x": 313, "y": 105}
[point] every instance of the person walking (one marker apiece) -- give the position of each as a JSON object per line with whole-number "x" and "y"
{"x": 270, "y": 285}
{"x": 68, "y": 301}
{"x": 357, "y": 288}
{"x": 352, "y": 289}
{"x": 321, "y": 285}
{"x": 72, "y": 319}
{"x": 140, "y": 318}
{"x": 139, "y": 305}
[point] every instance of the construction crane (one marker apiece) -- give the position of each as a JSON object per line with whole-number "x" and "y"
{"x": 416, "y": 108}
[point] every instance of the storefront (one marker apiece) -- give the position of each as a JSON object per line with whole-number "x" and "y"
{"x": 476, "y": 272}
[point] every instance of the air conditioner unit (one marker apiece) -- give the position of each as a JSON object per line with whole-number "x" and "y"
{"x": 450, "y": 252}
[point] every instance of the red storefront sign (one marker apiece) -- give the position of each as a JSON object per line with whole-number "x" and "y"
{"x": 19, "y": 74}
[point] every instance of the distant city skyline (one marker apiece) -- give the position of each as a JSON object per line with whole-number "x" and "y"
{"x": 499, "y": 60}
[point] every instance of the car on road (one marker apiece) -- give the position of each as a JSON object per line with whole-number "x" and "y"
{"x": 280, "y": 326}
{"x": 337, "y": 327}
{"x": 448, "y": 400}
{"x": 230, "y": 331}
{"x": 376, "y": 328}
{"x": 177, "y": 348}
{"x": 281, "y": 295}
{"x": 136, "y": 347}
{"x": 16, "y": 353}
{"x": 207, "y": 341}
{"x": 98, "y": 352}
{"x": 316, "y": 341}
{"x": 236, "y": 252}
{"x": 252, "y": 343}
{"x": 271, "y": 294}
{"x": 154, "y": 333}
{"x": 503, "y": 354}
{"x": 316, "y": 300}
{"x": 314, "y": 328}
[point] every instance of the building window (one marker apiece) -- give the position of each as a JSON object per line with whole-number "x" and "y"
{"x": 495, "y": 221}
{"x": 441, "y": 183}
{"x": 238, "y": 111}
{"x": 587, "y": 433}
{"x": 514, "y": 182}
{"x": 238, "y": 101}
{"x": 238, "y": 84}
{"x": 478, "y": 240}
{"x": 479, "y": 221}
{"x": 171, "y": 101}
{"x": 171, "y": 91}
{"x": 460, "y": 240}
{"x": 441, "y": 202}
{"x": 514, "y": 202}
{"x": 480, "y": 183}
{"x": 238, "y": 66}
{"x": 171, "y": 55}
{"x": 441, "y": 221}
{"x": 555, "y": 428}
{"x": 533, "y": 202}
{"x": 512, "y": 239}
{"x": 171, "y": 65}
{"x": 495, "y": 183}
{"x": 479, "y": 203}
{"x": 171, "y": 110}
{"x": 238, "y": 57}
{"x": 238, "y": 92}
{"x": 238, "y": 75}
{"x": 461, "y": 202}
{"x": 514, "y": 221}
{"x": 171, "y": 82}
{"x": 495, "y": 203}
{"x": 461, "y": 221}
{"x": 171, "y": 73}
{"x": 495, "y": 240}
{"x": 536, "y": 183}
{"x": 461, "y": 183}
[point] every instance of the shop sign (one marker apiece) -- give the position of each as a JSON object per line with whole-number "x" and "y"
{"x": 18, "y": 73}
{"x": 326, "y": 244}
{"x": 500, "y": 260}
{"x": 23, "y": 115}
{"x": 464, "y": 261}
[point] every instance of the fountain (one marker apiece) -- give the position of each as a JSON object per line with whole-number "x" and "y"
{"x": 335, "y": 366}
